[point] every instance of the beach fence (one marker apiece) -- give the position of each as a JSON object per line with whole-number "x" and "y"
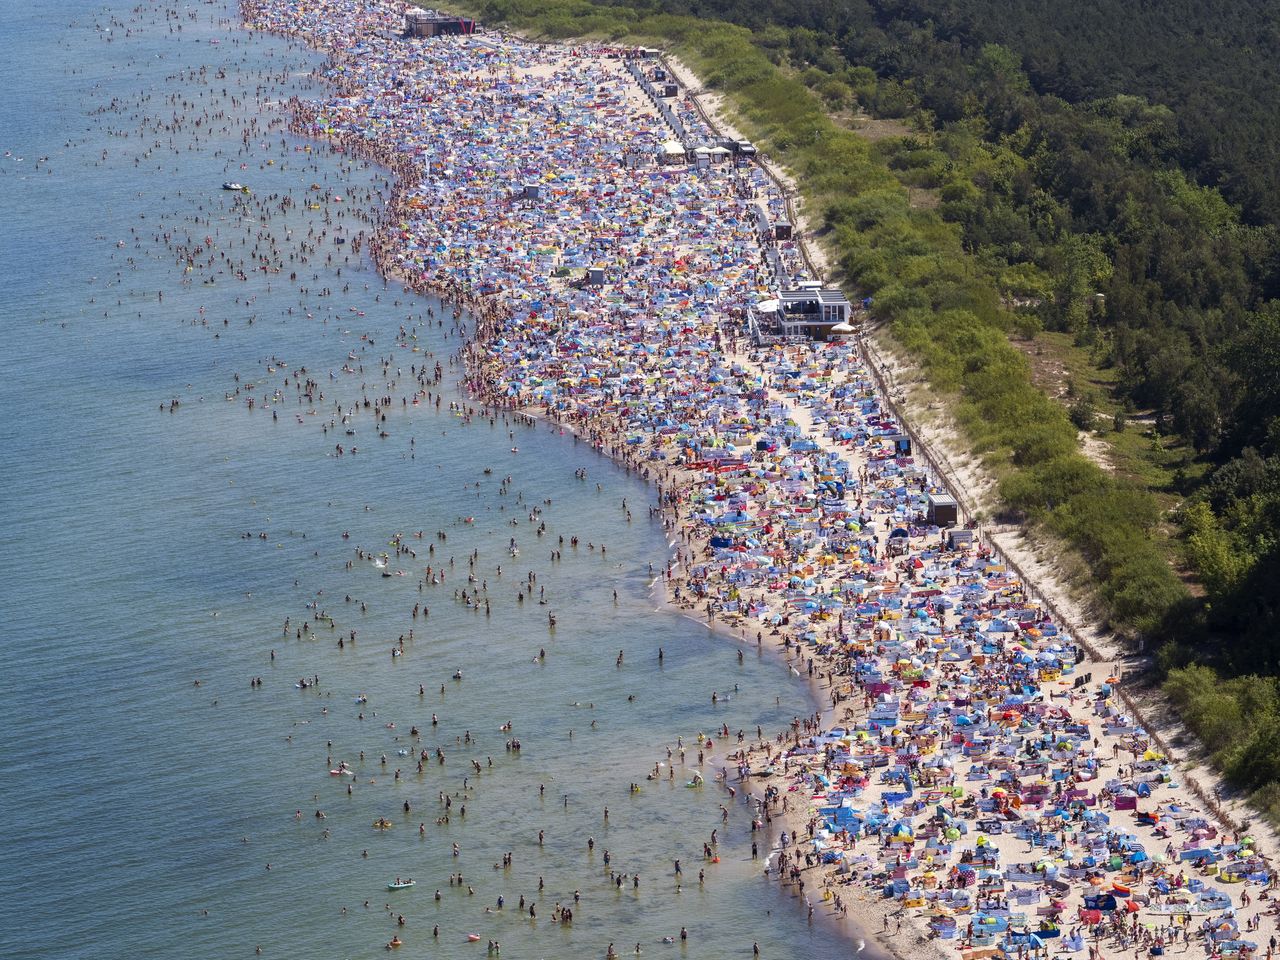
{"x": 946, "y": 472}
{"x": 658, "y": 93}
{"x": 783, "y": 188}
{"x": 942, "y": 468}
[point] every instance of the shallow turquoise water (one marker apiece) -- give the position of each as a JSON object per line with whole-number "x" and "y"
{"x": 137, "y": 800}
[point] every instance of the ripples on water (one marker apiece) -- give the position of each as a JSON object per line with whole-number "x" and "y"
{"x": 129, "y": 790}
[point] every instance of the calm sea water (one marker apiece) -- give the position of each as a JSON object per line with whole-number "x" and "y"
{"x": 141, "y": 808}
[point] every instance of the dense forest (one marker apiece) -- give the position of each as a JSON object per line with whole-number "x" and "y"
{"x": 1213, "y": 63}
{"x": 1103, "y": 173}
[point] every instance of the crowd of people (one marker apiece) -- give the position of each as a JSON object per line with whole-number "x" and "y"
{"x": 976, "y": 769}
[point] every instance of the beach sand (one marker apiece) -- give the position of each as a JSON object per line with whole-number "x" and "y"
{"x": 514, "y": 358}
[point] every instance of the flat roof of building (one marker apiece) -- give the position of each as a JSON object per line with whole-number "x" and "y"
{"x": 824, "y": 295}
{"x": 435, "y": 16}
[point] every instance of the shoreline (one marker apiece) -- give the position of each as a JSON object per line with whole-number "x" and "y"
{"x": 488, "y": 365}
{"x": 869, "y": 921}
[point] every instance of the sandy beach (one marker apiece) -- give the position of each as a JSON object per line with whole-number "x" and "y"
{"x": 978, "y": 785}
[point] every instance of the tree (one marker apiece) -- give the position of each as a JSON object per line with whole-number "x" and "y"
{"x": 1080, "y": 267}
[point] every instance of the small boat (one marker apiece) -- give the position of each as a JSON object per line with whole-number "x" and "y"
{"x": 233, "y": 185}
{"x": 402, "y": 884}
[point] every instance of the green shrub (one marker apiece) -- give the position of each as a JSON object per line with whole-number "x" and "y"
{"x": 1084, "y": 412}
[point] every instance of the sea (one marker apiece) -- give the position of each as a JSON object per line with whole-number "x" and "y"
{"x": 166, "y": 787}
